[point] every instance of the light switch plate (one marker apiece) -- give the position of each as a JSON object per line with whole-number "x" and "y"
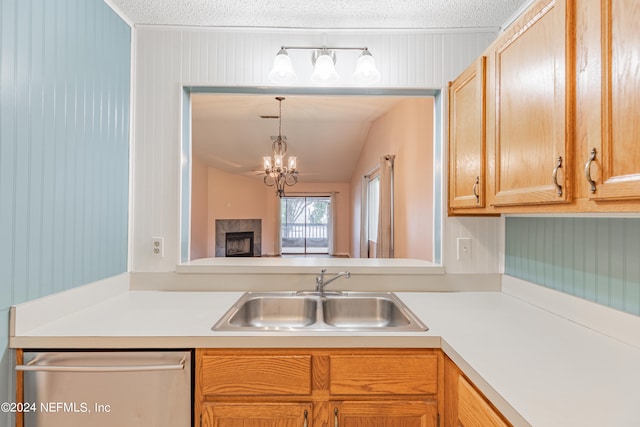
{"x": 464, "y": 248}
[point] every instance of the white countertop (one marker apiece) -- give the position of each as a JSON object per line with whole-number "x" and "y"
{"x": 537, "y": 368}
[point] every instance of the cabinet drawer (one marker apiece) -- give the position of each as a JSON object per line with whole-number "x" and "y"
{"x": 255, "y": 375}
{"x": 383, "y": 374}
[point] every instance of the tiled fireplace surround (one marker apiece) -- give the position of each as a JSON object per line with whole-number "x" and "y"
{"x": 224, "y": 226}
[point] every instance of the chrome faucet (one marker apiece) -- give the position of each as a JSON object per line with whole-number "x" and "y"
{"x": 321, "y": 283}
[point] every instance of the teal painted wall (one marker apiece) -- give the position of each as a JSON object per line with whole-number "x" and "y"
{"x": 64, "y": 151}
{"x": 597, "y": 259}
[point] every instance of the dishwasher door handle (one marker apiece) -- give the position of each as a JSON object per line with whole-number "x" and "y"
{"x": 33, "y": 366}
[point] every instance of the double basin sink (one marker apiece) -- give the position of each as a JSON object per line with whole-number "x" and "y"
{"x": 312, "y": 311}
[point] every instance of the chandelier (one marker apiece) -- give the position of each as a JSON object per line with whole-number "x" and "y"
{"x": 279, "y": 170}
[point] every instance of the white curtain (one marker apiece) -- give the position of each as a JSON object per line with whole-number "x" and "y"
{"x": 364, "y": 238}
{"x": 384, "y": 247}
{"x": 331, "y": 234}
{"x": 278, "y": 245}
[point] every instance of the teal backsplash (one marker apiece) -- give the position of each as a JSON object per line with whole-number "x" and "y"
{"x": 597, "y": 259}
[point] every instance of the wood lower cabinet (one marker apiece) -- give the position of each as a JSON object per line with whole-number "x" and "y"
{"x": 384, "y": 414}
{"x": 282, "y": 414}
{"x": 465, "y": 406}
{"x": 282, "y": 388}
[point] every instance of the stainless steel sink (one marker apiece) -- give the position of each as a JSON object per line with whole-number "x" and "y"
{"x": 310, "y": 311}
{"x": 275, "y": 311}
{"x": 370, "y": 312}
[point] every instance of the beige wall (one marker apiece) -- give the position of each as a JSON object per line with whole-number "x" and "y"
{"x": 406, "y": 131}
{"x": 229, "y": 196}
{"x": 239, "y": 197}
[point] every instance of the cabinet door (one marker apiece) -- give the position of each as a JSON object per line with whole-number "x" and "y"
{"x": 467, "y": 137}
{"x": 618, "y": 158}
{"x": 384, "y": 414}
{"x": 473, "y": 410}
{"x": 256, "y": 415}
{"x": 534, "y": 88}
{"x": 464, "y": 405}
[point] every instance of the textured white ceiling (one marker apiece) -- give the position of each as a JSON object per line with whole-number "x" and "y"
{"x": 351, "y": 14}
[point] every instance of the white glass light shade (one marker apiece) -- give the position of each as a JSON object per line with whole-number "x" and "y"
{"x": 292, "y": 163}
{"x": 282, "y": 71}
{"x": 366, "y": 71}
{"x": 325, "y": 70}
{"x": 277, "y": 161}
{"x": 266, "y": 161}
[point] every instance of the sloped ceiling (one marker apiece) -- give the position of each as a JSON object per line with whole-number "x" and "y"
{"x": 326, "y": 133}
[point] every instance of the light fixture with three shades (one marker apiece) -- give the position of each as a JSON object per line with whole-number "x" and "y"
{"x": 324, "y": 60}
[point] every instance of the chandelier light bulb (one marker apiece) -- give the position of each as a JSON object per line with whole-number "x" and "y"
{"x": 266, "y": 161}
{"x": 277, "y": 161}
{"x": 292, "y": 163}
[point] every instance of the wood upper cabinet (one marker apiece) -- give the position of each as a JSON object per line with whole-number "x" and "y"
{"x": 615, "y": 169}
{"x": 467, "y": 137}
{"x": 533, "y": 107}
{"x": 562, "y": 119}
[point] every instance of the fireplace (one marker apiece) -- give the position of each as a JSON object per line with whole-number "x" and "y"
{"x": 238, "y": 244}
{"x": 243, "y": 245}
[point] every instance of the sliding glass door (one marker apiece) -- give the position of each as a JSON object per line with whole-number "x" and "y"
{"x": 305, "y": 225}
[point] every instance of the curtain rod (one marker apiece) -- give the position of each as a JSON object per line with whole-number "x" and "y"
{"x": 312, "y": 192}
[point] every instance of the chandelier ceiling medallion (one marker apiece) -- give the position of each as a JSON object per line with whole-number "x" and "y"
{"x": 278, "y": 169}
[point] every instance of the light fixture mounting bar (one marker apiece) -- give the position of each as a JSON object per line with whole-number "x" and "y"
{"x": 322, "y": 48}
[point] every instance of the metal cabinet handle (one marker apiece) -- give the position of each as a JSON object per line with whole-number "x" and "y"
{"x": 33, "y": 366}
{"x": 475, "y": 189}
{"x": 335, "y": 417}
{"x": 555, "y": 177}
{"x": 306, "y": 416}
{"x": 587, "y": 170}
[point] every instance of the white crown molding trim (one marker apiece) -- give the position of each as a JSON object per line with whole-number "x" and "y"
{"x": 120, "y": 13}
{"x": 373, "y": 31}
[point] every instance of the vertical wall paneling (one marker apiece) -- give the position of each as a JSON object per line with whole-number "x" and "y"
{"x": 169, "y": 58}
{"x": 438, "y": 188}
{"x": 64, "y": 150}
{"x": 593, "y": 258}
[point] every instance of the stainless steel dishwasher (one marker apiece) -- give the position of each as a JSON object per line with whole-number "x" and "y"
{"x": 107, "y": 388}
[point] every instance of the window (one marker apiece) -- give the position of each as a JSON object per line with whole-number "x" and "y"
{"x": 304, "y": 225}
